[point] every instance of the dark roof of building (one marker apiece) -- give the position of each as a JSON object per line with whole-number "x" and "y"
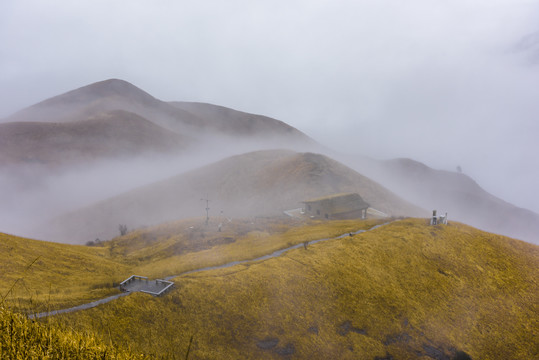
{"x": 340, "y": 203}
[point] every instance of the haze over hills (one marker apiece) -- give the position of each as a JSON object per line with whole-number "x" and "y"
{"x": 455, "y": 193}
{"x": 262, "y": 183}
{"x": 106, "y": 135}
{"x": 406, "y": 288}
{"x": 233, "y": 122}
{"x": 202, "y": 121}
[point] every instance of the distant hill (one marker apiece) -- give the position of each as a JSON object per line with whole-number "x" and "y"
{"x": 107, "y": 135}
{"x": 233, "y": 122}
{"x": 113, "y": 118}
{"x": 202, "y": 121}
{"x": 455, "y": 193}
{"x": 263, "y": 183}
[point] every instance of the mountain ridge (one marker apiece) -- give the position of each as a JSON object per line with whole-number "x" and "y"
{"x": 115, "y": 94}
{"x": 456, "y": 193}
{"x": 220, "y": 132}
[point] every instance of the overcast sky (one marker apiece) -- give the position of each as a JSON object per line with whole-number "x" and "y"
{"x": 445, "y": 82}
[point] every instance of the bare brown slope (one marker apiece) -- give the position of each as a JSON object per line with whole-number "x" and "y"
{"x": 260, "y": 183}
{"x": 455, "y": 193}
{"x": 233, "y": 122}
{"x": 202, "y": 121}
{"x": 103, "y": 96}
{"x": 111, "y": 134}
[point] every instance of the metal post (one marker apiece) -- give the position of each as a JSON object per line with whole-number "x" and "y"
{"x": 207, "y": 209}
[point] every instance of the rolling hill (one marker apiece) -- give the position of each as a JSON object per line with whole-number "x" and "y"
{"x": 105, "y": 138}
{"x": 403, "y": 291}
{"x": 101, "y": 122}
{"x": 400, "y": 291}
{"x": 37, "y": 274}
{"x": 451, "y": 192}
{"x": 197, "y": 120}
{"x": 263, "y": 183}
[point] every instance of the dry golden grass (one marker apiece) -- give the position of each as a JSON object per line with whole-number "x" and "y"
{"x": 406, "y": 289}
{"x": 36, "y": 274}
{"x": 181, "y": 246}
{"x": 21, "y": 338}
{"x": 39, "y": 276}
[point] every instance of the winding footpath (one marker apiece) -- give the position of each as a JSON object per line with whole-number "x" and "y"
{"x": 223, "y": 266}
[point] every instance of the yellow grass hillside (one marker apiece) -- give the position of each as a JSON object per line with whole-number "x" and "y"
{"x": 185, "y": 245}
{"x": 403, "y": 291}
{"x": 35, "y": 275}
{"x": 21, "y": 338}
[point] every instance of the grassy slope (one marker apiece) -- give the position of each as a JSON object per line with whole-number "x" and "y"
{"x": 49, "y": 274}
{"x": 21, "y": 338}
{"x": 406, "y": 289}
{"x": 184, "y": 245}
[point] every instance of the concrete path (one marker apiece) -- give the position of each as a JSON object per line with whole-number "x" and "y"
{"x": 273, "y": 254}
{"x": 77, "y": 308}
{"x": 227, "y": 265}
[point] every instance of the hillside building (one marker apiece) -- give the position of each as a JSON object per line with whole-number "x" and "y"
{"x": 338, "y": 206}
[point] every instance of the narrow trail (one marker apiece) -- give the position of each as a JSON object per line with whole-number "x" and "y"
{"x": 79, "y": 307}
{"x": 223, "y": 266}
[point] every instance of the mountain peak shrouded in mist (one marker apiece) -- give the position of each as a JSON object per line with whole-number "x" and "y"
{"x": 112, "y": 94}
{"x": 197, "y": 120}
{"x": 100, "y": 89}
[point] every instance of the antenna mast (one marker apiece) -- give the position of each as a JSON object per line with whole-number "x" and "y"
{"x": 207, "y": 208}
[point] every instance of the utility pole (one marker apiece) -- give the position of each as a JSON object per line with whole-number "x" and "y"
{"x": 207, "y": 209}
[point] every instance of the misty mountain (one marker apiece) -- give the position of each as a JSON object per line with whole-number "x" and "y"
{"x": 263, "y": 183}
{"x": 233, "y": 122}
{"x": 455, "y": 193}
{"x": 198, "y": 120}
{"x": 110, "y": 134}
{"x": 109, "y": 137}
{"x": 92, "y": 127}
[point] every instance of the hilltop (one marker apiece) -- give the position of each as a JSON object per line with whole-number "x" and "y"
{"x": 262, "y": 183}
{"x": 105, "y": 138}
{"x": 201, "y": 121}
{"x": 405, "y": 290}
